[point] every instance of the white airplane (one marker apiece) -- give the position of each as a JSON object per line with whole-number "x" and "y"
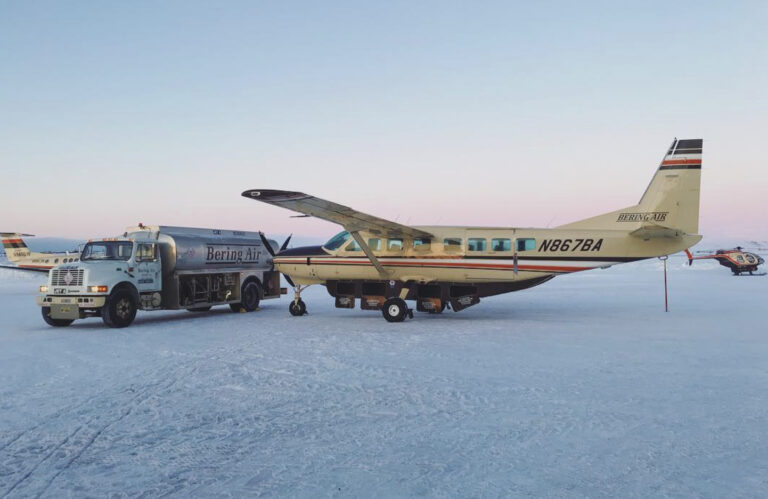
{"x": 384, "y": 263}
{"x": 22, "y": 258}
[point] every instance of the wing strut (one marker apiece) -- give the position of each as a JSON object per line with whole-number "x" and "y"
{"x": 367, "y": 250}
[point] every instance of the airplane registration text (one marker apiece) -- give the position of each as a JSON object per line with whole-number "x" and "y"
{"x": 571, "y": 245}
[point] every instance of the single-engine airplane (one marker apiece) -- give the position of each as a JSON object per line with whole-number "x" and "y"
{"x": 22, "y": 258}
{"x": 735, "y": 259}
{"x": 384, "y": 263}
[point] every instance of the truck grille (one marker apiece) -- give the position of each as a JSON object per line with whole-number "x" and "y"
{"x": 61, "y": 277}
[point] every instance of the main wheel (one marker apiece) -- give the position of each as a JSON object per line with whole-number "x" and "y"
{"x": 120, "y": 309}
{"x": 54, "y": 322}
{"x": 297, "y": 308}
{"x": 395, "y": 310}
{"x": 250, "y": 297}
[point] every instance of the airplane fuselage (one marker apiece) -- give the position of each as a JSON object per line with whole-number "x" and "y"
{"x": 475, "y": 255}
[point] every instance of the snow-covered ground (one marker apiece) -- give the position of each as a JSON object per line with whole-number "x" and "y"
{"x": 582, "y": 387}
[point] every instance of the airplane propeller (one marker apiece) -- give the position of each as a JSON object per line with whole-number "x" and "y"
{"x": 272, "y": 252}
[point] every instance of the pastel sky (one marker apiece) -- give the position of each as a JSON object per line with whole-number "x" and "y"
{"x": 427, "y": 112}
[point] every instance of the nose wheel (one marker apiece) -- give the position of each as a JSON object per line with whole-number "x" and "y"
{"x": 297, "y": 307}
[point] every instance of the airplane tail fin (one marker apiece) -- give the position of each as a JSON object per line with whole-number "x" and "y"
{"x": 670, "y": 204}
{"x": 14, "y": 246}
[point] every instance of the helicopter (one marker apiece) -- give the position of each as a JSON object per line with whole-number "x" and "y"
{"x": 736, "y": 259}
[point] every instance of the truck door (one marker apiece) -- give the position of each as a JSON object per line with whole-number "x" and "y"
{"x": 148, "y": 275}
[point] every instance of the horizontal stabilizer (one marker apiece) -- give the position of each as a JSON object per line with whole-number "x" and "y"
{"x": 656, "y": 231}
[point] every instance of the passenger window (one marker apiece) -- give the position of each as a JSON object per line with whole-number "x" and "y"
{"x": 422, "y": 243}
{"x": 145, "y": 252}
{"x": 501, "y": 245}
{"x": 526, "y": 244}
{"x": 452, "y": 242}
{"x": 374, "y": 243}
{"x": 740, "y": 258}
{"x": 56, "y": 261}
{"x": 476, "y": 244}
{"x": 353, "y": 246}
{"x": 394, "y": 244}
{"x": 751, "y": 259}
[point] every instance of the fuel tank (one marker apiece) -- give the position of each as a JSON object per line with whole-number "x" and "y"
{"x": 196, "y": 249}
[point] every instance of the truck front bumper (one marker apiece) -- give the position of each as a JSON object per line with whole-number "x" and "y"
{"x": 68, "y": 307}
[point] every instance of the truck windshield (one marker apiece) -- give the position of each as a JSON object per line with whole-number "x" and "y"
{"x": 336, "y": 241}
{"x": 107, "y": 250}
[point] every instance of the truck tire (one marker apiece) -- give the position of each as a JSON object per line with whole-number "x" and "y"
{"x": 249, "y": 299}
{"x": 120, "y": 309}
{"x": 54, "y": 322}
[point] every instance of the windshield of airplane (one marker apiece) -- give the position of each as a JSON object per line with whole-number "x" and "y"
{"x": 107, "y": 250}
{"x": 336, "y": 241}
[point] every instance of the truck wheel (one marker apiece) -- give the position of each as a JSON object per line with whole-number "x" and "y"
{"x": 120, "y": 309}
{"x": 250, "y": 297}
{"x": 199, "y": 309}
{"x": 54, "y": 322}
{"x": 298, "y": 308}
{"x": 395, "y": 310}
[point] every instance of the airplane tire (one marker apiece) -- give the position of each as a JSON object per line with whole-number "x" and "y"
{"x": 250, "y": 297}
{"x": 120, "y": 309}
{"x": 297, "y": 308}
{"x": 395, "y": 310}
{"x": 54, "y": 322}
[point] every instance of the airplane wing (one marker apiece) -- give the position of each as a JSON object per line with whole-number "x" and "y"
{"x": 28, "y": 269}
{"x": 350, "y": 219}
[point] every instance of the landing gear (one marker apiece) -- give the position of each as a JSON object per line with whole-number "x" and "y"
{"x": 396, "y": 310}
{"x": 297, "y": 307}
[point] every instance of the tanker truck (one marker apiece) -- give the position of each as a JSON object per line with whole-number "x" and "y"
{"x": 161, "y": 268}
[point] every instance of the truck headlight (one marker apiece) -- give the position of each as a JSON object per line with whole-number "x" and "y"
{"x": 43, "y": 289}
{"x": 97, "y": 289}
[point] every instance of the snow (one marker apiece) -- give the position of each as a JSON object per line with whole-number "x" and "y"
{"x": 581, "y": 387}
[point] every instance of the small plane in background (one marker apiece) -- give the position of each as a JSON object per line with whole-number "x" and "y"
{"x": 22, "y": 258}
{"x": 736, "y": 259}
{"x": 384, "y": 263}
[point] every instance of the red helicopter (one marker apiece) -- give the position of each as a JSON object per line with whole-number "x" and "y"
{"x": 735, "y": 259}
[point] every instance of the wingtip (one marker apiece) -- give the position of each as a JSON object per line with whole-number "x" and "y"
{"x": 272, "y": 195}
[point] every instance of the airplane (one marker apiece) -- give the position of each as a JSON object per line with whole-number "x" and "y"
{"x": 23, "y": 258}
{"x": 735, "y": 259}
{"x": 385, "y": 263}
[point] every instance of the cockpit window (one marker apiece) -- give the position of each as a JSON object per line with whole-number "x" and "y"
{"x": 337, "y": 241}
{"x": 751, "y": 259}
{"x": 107, "y": 250}
{"x": 353, "y": 246}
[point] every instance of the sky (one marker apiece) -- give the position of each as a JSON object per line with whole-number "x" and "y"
{"x": 529, "y": 114}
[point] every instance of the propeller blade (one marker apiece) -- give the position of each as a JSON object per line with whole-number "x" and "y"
{"x": 290, "y": 281}
{"x": 266, "y": 244}
{"x": 285, "y": 244}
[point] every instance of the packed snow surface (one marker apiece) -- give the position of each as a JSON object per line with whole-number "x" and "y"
{"x": 581, "y": 387}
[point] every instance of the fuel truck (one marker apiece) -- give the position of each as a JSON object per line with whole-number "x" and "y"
{"x": 161, "y": 268}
